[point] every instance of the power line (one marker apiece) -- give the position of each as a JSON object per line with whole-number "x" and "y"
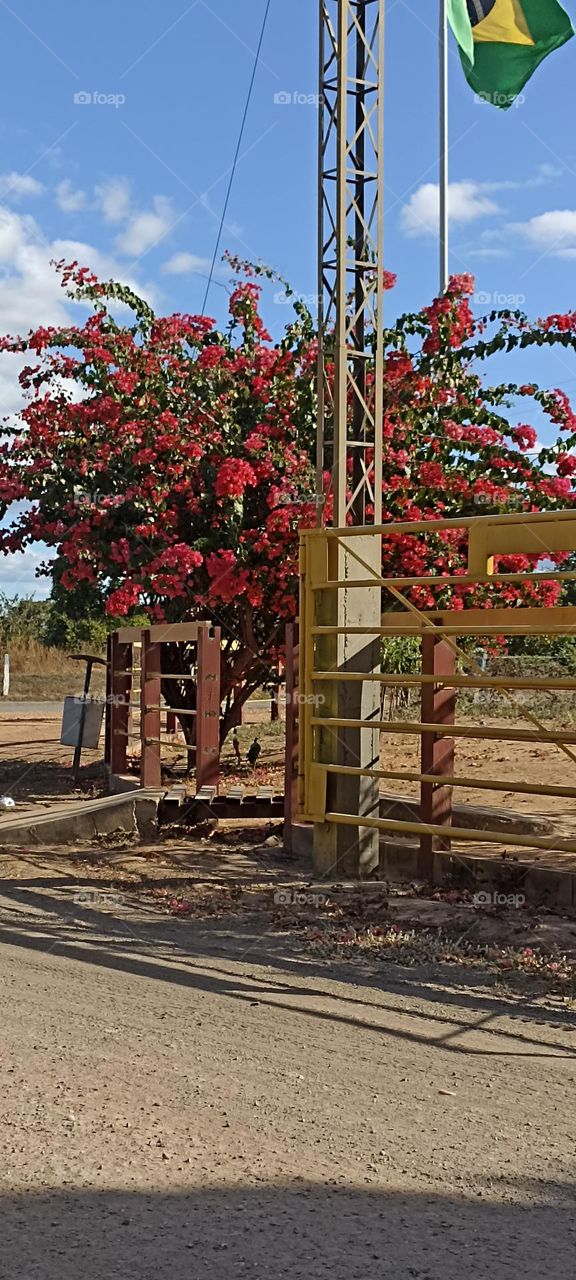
{"x": 237, "y": 152}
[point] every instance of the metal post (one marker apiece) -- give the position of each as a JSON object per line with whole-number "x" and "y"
{"x": 444, "y": 142}
{"x": 150, "y": 722}
{"x": 85, "y": 692}
{"x": 351, "y": 280}
{"x": 208, "y": 708}
{"x": 437, "y": 753}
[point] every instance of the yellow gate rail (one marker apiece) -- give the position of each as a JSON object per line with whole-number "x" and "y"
{"x": 544, "y": 534}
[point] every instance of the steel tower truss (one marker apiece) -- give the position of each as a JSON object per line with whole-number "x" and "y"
{"x": 351, "y": 267}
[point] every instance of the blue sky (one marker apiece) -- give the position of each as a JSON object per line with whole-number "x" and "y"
{"x": 134, "y": 185}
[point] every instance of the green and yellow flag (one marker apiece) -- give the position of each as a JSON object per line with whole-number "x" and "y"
{"x": 503, "y": 41}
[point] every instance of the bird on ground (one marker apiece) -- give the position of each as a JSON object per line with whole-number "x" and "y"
{"x": 254, "y": 752}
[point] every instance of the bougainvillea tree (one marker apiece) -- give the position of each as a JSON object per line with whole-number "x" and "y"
{"x": 169, "y": 465}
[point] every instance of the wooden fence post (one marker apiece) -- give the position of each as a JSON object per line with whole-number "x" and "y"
{"x": 108, "y": 705}
{"x": 150, "y": 723}
{"x": 291, "y": 755}
{"x": 120, "y": 682}
{"x": 437, "y": 753}
{"x": 208, "y": 708}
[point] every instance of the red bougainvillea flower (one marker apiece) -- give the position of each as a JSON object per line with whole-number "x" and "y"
{"x": 173, "y": 484}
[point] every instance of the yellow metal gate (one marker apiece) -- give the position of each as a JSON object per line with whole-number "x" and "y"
{"x": 541, "y": 535}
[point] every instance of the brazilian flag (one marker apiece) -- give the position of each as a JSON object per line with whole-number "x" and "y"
{"x": 503, "y": 41}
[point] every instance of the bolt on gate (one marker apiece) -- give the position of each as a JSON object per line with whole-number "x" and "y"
{"x": 330, "y": 743}
{"x": 148, "y": 643}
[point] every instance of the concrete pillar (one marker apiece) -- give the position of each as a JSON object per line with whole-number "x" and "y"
{"x": 348, "y": 850}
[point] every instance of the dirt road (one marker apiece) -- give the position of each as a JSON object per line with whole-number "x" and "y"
{"x": 190, "y": 1099}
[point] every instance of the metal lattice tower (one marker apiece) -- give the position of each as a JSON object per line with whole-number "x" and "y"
{"x": 351, "y": 267}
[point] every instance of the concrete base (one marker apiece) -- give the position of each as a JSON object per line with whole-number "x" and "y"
{"x": 123, "y": 783}
{"x": 397, "y": 849}
{"x": 480, "y": 817}
{"x": 75, "y": 824}
{"x": 399, "y": 857}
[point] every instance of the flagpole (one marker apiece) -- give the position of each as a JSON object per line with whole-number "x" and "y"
{"x": 443, "y": 129}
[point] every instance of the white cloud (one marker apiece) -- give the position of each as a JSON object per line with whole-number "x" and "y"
{"x": 182, "y": 264}
{"x": 480, "y": 251}
{"x": 554, "y": 232}
{"x": 18, "y": 574}
{"x": 70, "y": 199}
{"x": 31, "y": 292}
{"x": 467, "y": 201}
{"x": 114, "y": 199}
{"x": 15, "y": 230}
{"x": 146, "y": 229}
{"x": 19, "y": 184}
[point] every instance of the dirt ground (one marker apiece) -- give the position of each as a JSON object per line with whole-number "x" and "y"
{"x": 211, "y": 1096}
{"x": 35, "y": 770}
{"x": 542, "y": 764}
{"x": 210, "y": 1066}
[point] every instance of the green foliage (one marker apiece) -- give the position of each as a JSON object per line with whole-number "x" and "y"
{"x": 401, "y": 655}
{"x": 558, "y": 651}
{"x": 82, "y": 634}
{"x": 22, "y": 618}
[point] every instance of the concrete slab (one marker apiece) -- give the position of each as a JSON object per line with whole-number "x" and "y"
{"x": 136, "y": 813}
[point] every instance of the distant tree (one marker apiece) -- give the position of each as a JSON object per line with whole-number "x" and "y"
{"x": 22, "y": 618}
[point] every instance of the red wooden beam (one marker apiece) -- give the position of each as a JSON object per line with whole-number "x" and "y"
{"x": 120, "y": 690}
{"x": 437, "y": 753}
{"x": 108, "y": 707}
{"x": 150, "y": 724}
{"x": 291, "y": 756}
{"x": 208, "y": 708}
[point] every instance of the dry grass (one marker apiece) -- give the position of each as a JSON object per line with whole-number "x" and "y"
{"x": 39, "y": 673}
{"x": 29, "y": 657}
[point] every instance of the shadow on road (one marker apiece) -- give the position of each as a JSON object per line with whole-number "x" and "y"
{"x": 213, "y": 955}
{"x": 300, "y": 1230}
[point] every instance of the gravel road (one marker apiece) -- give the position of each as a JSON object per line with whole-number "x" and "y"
{"x": 188, "y": 1099}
